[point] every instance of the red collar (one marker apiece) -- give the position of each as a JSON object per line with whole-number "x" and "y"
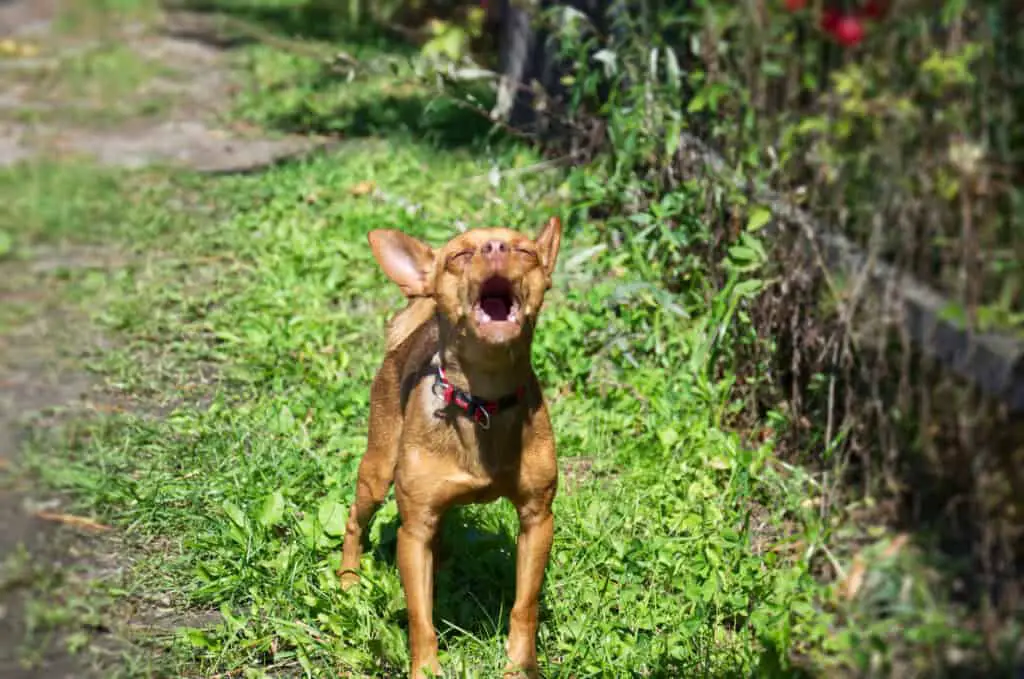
{"x": 477, "y": 408}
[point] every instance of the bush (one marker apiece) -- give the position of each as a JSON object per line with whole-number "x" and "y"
{"x": 898, "y": 127}
{"x": 886, "y": 129}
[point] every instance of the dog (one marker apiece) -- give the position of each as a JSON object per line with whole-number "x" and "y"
{"x": 457, "y": 416}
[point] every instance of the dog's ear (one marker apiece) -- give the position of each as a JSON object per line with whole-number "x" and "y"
{"x": 548, "y": 240}
{"x": 405, "y": 260}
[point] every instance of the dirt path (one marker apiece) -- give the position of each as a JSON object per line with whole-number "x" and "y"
{"x": 151, "y": 91}
{"x": 140, "y": 93}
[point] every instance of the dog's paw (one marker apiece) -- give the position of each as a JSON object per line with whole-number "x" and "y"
{"x": 348, "y": 578}
{"x": 520, "y": 671}
{"x": 428, "y": 669}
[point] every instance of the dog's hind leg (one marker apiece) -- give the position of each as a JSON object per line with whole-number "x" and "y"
{"x": 376, "y": 474}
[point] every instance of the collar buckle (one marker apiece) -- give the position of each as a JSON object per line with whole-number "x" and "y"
{"x": 480, "y": 411}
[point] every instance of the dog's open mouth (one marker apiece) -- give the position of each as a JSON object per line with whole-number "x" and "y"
{"x": 496, "y": 302}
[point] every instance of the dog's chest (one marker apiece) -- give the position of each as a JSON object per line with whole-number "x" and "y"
{"x": 483, "y": 462}
{"x": 493, "y": 454}
{"x": 488, "y": 461}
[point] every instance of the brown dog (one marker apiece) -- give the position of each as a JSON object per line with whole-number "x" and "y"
{"x": 457, "y": 415}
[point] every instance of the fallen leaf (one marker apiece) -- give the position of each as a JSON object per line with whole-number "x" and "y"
{"x": 363, "y": 188}
{"x": 895, "y": 546}
{"x": 854, "y": 579}
{"x": 71, "y": 520}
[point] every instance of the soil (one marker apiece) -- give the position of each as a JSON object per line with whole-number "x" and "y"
{"x": 185, "y": 130}
{"x": 193, "y": 96}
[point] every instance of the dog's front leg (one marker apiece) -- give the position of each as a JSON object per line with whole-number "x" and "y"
{"x": 415, "y": 567}
{"x": 533, "y": 548}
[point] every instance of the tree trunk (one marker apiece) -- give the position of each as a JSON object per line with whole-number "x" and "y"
{"x": 529, "y": 59}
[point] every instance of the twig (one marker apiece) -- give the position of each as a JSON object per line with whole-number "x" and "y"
{"x": 72, "y": 520}
{"x": 840, "y": 573}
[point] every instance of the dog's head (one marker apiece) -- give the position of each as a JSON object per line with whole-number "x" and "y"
{"x": 488, "y": 283}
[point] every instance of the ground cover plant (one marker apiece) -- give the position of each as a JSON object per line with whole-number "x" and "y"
{"x": 244, "y": 324}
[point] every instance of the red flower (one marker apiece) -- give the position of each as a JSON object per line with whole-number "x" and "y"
{"x": 874, "y": 10}
{"x": 849, "y": 31}
{"x": 795, "y": 5}
{"x": 830, "y": 20}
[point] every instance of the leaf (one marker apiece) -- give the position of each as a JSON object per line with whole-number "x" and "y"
{"x": 759, "y": 218}
{"x": 234, "y": 513}
{"x": 332, "y": 516}
{"x": 272, "y": 510}
{"x": 282, "y": 560}
{"x": 285, "y": 423}
{"x": 668, "y": 437}
{"x": 671, "y": 68}
{"x": 608, "y": 59}
{"x": 195, "y": 637}
{"x": 718, "y": 462}
{"x": 363, "y": 188}
{"x": 473, "y": 74}
{"x": 76, "y": 641}
{"x": 675, "y": 131}
{"x": 6, "y": 243}
{"x": 747, "y": 288}
{"x": 742, "y": 253}
{"x": 698, "y": 103}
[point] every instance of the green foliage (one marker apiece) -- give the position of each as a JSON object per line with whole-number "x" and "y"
{"x": 252, "y": 490}
{"x": 683, "y": 546}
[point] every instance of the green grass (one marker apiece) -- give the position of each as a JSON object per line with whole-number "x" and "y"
{"x": 85, "y": 73}
{"x": 249, "y": 323}
{"x": 652, "y": 569}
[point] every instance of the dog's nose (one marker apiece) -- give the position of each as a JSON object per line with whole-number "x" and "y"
{"x": 494, "y": 251}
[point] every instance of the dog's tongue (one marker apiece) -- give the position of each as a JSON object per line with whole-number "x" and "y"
{"x": 496, "y": 308}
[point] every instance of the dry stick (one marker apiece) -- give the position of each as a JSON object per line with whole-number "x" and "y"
{"x": 71, "y": 520}
{"x": 847, "y": 309}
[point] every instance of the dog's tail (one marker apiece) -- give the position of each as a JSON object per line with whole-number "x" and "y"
{"x": 410, "y": 319}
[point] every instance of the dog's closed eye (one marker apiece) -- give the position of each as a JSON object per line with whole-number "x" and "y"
{"x": 459, "y": 258}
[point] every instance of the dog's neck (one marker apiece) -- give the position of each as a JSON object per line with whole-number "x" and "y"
{"x": 486, "y": 372}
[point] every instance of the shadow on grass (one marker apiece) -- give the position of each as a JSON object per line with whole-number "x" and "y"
{"x": 440, "y": 122}
{"x": 318, "y": 20}
{"x": 474, "y": 587}
{"x": 946, "y": 473}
